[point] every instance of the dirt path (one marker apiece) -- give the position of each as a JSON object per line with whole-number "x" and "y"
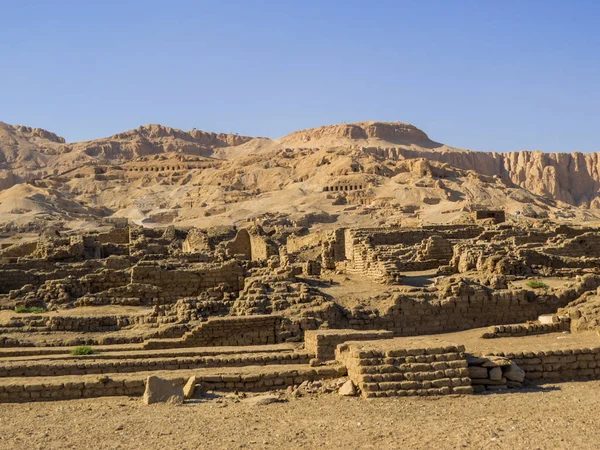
{"x": 565, "y": 415}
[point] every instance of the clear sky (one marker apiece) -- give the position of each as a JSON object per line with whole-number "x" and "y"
{"x": 494, "y": 75}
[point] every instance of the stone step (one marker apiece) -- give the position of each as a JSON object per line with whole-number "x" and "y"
{"x": 89, "y": 365}
{"x": 137, "y": 352}
{"x": 248, "y": 378}
{"x": 137, "y": 349}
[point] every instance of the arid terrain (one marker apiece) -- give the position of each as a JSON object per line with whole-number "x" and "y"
{"x": 348, "y": 286}
{"x": 552, "y": 416}
{"x": 363, "y": 174}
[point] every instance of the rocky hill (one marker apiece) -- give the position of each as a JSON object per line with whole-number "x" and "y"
{"x": 362, "y": 173}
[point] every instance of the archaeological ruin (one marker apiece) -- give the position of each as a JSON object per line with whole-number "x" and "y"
{"x": 399, "y": 311}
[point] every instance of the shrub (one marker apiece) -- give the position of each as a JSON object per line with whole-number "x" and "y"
{"x": 536, "y": 284}
{"x": 31, "y": 309}
{"x": 82, "y": 350}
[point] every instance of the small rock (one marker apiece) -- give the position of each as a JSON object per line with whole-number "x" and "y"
{"x": 348, "y": 389}
{"x": 261, "y": 400}
{"x": 314, "y": 362}
{"x": 515, "y": 373}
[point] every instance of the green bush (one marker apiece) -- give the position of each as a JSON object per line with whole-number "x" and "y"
{"x": 31, "y": 309}
{"x": 536, "y": 284}
{"x": 82, "y": 350}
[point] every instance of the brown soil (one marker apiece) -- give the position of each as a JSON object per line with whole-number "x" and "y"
{"x": 548, "y": 417}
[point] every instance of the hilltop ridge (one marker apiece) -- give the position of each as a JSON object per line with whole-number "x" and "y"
{"x": 382, "y": 172}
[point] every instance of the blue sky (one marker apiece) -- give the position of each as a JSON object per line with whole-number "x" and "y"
{"x": 486, "y": 75}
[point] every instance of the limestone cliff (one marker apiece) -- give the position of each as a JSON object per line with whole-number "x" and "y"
{"x": 573, "y": 178}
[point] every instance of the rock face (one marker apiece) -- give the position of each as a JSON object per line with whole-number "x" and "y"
{"x": 573, "y": 178}
{"x": 162, "y": 391}
{"x": 392, "y": 132}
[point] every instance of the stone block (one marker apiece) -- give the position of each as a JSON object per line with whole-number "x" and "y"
{"x": 159, "y": 390}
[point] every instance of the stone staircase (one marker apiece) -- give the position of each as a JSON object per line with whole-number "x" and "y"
{"x": 405, "y": 367}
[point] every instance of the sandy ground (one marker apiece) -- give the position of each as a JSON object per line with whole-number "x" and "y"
{"x": 556, "y": 416}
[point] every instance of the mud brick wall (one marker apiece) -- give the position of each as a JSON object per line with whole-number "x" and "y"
{"x": 537, "y": 257}
{"x": 91, "y": 386}
{"x": 527, "y": 329}
{"x": 493, "y": 373}
{"x": 12, "y": 279}
{"x": 141, "y": 363}
{"x": 411, "y": 236}
{"x": 275, "y": 380}
{"x": 558, "y": 365}
{"x": 41, "y": 323}
{"x": 19, "y": 250}
{"x": 411, "y": 316}
{"x": 587, "y": 244}
{"x": 189, "y": 281}
{"x": 116, "y": 236}
{"x": 297, "y": 243}
{"x": 228, "y": 331}
{"x": 106, "y": 279}
{"x": 394, "y": 370}
{"x": 336, "y": 238}
{"x": 322, "y": 343}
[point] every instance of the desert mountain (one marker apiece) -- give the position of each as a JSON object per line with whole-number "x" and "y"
{"x": 365, "y": 173}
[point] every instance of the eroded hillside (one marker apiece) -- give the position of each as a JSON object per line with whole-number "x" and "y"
{"x": 367, "y": 173}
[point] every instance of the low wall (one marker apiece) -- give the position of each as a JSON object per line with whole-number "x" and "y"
{"x": 322, "y": 343}
{"x": 227, "y": 331}
{"x": 558, "y": 365}
{"x": 465, "y": 308}
{"x": 90, "y": 386}
{"x": 530, "y": 329}
{"x": 88, "y": 365}
{"x": 103, "y": 323}
{"x": 185, "y": 282}
{"x": 494, "y": 373}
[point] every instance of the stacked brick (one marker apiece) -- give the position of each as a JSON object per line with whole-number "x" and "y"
{"x": 383, "y": 254}
{"x": 88, "y": 386}
{"x": 99, "y": 364}
{"x": 558, "y": 365}
{"x": 322, "y": 343}
{"x": 44, "y": 323}
{"x": 463, "y": 306}
{"x": 268, "y": 291}
{"x": 187, "y": 281}
{"x": 493, "y": 373}
{"x": 527, "y": 329}
{"x": 397, "y": 369}
{"x": 227, "y": 331}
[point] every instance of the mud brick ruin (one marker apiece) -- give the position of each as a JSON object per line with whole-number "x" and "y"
{"x": 257, "y": 308}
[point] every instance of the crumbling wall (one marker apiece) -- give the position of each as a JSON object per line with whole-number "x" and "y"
{"x": 187, "y": 281}
{"x": 585, "y": 245}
